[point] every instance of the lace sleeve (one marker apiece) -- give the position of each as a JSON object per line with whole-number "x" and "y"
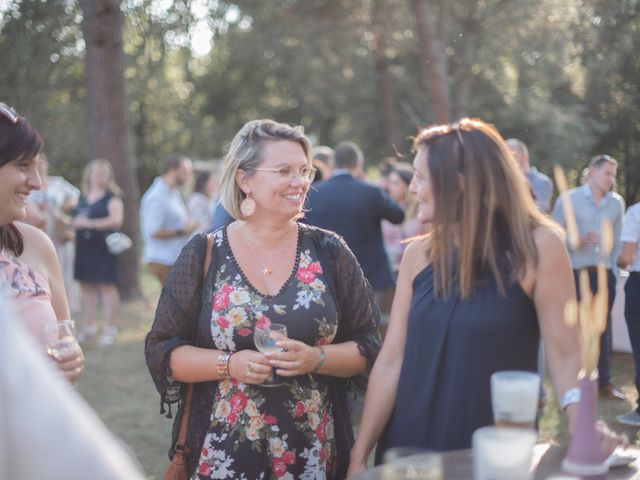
{"x": 176, "y": 317}
{"x": 359, "y": 314}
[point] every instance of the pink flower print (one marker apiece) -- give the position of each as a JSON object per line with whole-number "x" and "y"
{"x": 278, "y": 468}
{"x": 299, "y": 409}
{"x": 238, "y": 401}
{"x": 227, "y": 288}
{"x": 323, "y": 341}
{"x": 263, "y": 322}
{"x": 244, "y": 332}
{"x": 222, "y": 322}
{"x": 315, "y": 267}
{"x": 306, "y": 276}
{"x": 231, "y": 418}
{"x": 289, "y": 457}
{"x": 269, "y": 419}
{"x": 205, "y": 469}
{"x": 220, "y": 301}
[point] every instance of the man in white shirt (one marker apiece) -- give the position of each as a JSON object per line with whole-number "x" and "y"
{"x": 164, "y": 218}
{"x": 46, "y": 428}
{"x": 630, "y": 258}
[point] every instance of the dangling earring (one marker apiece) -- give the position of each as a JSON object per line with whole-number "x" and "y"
{"x": 247, "y": 206}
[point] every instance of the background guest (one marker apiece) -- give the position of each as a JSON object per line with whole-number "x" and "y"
{"x": 201, "y": 203}
{"x": 394, "y": 235}
{"x": 629, "y": 258}
{"x": 99, "y": 213}
{"x": 54, "y": 203}
{"x": 592, "y": 203}
{"x": 164, "y": 218}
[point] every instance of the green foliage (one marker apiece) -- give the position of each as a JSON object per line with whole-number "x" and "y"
{"x": 559, "y": 74}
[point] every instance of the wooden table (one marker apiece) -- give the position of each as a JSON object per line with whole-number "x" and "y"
{"x": 547, "y": 460}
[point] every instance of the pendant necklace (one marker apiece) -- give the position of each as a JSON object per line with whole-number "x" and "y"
{"x": 266, "y": 269}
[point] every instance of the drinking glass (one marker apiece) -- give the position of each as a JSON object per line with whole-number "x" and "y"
{"x": 514, "y": 396}
{"x": 411, "y": 463}
{"x": 265, "y": 339}
{"x": 503, "y": 453}
{"x": 59, "y": 337}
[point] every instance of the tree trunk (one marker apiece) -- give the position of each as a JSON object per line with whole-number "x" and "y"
{"x": 385, "y": 92}
{"x": 433, "y": 61}
{"x": 108, "y": 122}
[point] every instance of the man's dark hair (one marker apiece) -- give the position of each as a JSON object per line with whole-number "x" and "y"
{"x": 172, "y": 162}
{"x": 347, "y": 155}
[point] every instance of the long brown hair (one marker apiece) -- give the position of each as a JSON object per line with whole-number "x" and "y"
{"x": 480, "y": 193}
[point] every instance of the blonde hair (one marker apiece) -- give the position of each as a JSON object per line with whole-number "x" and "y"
{"x": 88, "y": 170}
{"x": 493, "y": 209}
{"x": 245, "y": 154}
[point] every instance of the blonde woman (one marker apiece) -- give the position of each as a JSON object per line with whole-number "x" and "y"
{"x": 99, "y": 213}
{"x": 265, "y": 267}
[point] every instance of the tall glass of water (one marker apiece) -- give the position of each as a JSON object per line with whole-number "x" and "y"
{"x": 265, "y": 338}
{"x": 59, "y": 337}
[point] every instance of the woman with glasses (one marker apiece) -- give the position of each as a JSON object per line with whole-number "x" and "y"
{"x": 29, "y": 270}
{"x": 473, "y": 297}
{"x": 265, "y": 269}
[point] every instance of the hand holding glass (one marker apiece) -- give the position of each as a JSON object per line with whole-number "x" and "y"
{"x": 266, "y": 339}
{"x": 59, "y": 337}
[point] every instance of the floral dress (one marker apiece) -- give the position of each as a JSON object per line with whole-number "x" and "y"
{"x": 259, "y": 432}
{"x": 30, "y": 294}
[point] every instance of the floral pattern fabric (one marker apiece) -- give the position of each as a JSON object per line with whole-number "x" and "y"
{"x": 258, "y": 432}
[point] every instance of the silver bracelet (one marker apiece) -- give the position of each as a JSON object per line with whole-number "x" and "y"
{"x": 570, "y": 396}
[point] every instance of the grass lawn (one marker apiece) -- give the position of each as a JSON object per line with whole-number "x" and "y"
{"x": 117, "y": 385}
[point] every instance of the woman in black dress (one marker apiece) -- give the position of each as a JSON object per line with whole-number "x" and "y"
{"x": 266, "y": 267}
{"x": 473, "y": 298}
{"x": 99, "y": 213}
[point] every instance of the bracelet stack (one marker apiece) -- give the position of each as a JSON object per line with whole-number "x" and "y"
{"x": 223, "y": 365}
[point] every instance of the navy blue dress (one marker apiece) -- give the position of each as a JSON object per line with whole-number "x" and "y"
{"x": 452, "y": 348}
{"x": 94, "y": 263}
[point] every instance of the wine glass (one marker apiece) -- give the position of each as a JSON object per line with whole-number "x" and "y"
{"x": 265, "y": 339}
{"x": 59, "y": 337}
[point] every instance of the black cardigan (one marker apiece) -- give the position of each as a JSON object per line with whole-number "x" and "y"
{"x": 184, "y": 312}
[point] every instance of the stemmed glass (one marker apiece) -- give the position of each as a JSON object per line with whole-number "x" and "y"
{"x": 265, "y": 339}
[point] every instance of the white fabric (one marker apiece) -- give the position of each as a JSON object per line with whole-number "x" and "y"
{"x": 631, "y": 233}
{"x": 46, "y": 429}
{"x": 162, "y": 208}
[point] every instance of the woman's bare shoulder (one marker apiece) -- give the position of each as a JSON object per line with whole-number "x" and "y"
{"x": 415, "y": 258}
{"x": 38, "y": 247}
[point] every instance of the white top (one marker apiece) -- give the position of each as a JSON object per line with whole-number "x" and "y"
{"x": 162, "y": 208}
{"x": 631, "y": 233}
{"x": 46, "y": 429}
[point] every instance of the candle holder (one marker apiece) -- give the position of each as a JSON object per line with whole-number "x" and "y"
{"x": 585, "y": 457}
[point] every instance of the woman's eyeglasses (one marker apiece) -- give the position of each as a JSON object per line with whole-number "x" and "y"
{"x": 8, "y": 112}
{"x": 287, "y": 172}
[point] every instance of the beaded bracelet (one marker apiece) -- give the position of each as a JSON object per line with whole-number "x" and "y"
{"x": 223, "y": 365}
{"x": 321, "y": 360}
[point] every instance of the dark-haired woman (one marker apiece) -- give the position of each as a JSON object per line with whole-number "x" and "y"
{"x": 29, "y": 270}
{"x": 473, "y": 297}
{"x": 201, "y": 203}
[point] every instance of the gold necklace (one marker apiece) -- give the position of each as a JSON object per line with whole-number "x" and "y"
{"x": 266, "y": 269}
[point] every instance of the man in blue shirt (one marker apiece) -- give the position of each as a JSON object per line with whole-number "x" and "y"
{"x": 592, "y": 203}
{"x": 541, "y": 185}
{"x": 164, "y": 219}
